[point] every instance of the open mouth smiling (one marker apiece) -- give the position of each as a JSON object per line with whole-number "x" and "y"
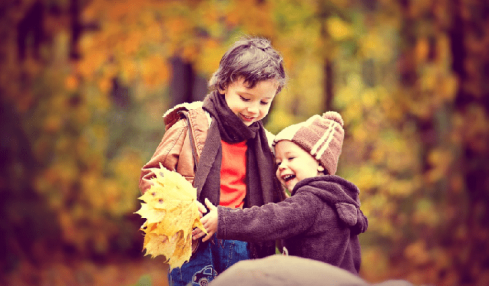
{"x": 247, "y": 118}
{"x": 287, "y": 178}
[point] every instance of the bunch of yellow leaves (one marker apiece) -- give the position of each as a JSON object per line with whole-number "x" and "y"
{"x": 171, "y": 212}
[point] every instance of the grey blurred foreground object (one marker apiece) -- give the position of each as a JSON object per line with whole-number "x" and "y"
{"x": 291, "y": 270}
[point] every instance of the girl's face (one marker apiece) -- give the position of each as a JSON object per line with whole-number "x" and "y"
{"x": 250, "y": 104}
{"x": 294, "y": 164}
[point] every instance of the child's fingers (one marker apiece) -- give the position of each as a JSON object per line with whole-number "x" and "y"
{"x": 209, "y": 204}
{"x": 207, "y": 237}
{"x": 201, "y": 207}
{"x": 204, "y": 219}
{"x": 197, "y": 233}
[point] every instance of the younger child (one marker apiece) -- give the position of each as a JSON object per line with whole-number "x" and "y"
{"x": 322, "y": 218}
{"x": 221, "y": 146}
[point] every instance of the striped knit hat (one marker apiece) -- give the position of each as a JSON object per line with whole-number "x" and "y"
{"x": 322, "y": 137}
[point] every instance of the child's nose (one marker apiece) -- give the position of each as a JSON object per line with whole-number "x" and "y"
{"x": 253, "y": 108}
{"x": 281, "y": 166}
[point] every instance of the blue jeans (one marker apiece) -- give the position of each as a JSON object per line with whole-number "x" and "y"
{"x": 211, "y": 258}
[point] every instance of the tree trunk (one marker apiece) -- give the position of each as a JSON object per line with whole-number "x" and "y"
{"x": 186, "y": 85}
{"x": 469, "y": 46}
{"x": 328, "y": 79}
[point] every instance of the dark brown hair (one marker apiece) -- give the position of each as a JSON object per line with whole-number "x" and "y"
{"x": 252, "y": 58}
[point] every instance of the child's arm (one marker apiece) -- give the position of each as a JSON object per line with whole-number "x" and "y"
{"x": 167, "y": 153}
{"x": 268, "y": 222}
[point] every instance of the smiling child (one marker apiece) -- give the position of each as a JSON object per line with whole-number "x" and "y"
{"x": 322, "y": 218}
{"x": 222, "y": 148}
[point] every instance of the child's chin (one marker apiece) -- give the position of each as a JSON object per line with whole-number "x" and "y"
{"x": 290, "y": 186}
{"x": 248, "y": 123}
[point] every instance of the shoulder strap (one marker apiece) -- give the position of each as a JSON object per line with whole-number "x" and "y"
{"x": 174, "y": 114}
{"x": 192, "y": 144}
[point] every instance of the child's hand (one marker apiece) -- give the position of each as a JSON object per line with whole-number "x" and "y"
{"x": 210, "y": 222}
{"x": 196, "y": 232}
{"x": 202, "y": 209}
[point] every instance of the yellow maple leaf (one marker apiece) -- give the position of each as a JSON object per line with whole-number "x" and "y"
{"x": 171, "y": 212}
{"x": 182, "y": 246}
{"x": 158, "y": 245}
{"x": 152, "y": 215}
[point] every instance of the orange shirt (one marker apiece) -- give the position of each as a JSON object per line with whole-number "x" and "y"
{"x": 233, "y": 174}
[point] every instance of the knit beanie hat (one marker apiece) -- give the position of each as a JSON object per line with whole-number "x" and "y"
{"x": 320, "y": 136}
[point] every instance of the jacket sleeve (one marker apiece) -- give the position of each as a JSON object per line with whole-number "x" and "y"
{"x": 272, "y": 221}
{"x": 168, "y": 153}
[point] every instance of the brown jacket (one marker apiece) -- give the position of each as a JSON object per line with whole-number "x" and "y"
{"x": 174, "y": 151}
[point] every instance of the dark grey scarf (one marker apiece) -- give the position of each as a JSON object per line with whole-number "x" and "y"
{"x": 261, "y": 184}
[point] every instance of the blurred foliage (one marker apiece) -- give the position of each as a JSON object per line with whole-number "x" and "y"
{"x": 145, "y": 280}
{"x": 84, "y": 83}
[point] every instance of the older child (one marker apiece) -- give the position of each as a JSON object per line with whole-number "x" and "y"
{"x": 221, "y": 146}
{"x": 322, "y": 218}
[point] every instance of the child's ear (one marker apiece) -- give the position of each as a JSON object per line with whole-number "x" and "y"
{"x": 320, "y": 169}
{"x": 222, "y": 90}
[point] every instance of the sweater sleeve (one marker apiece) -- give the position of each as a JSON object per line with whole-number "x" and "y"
{"x": 272, "y": 221}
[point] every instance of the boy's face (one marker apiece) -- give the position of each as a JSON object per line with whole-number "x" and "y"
{"x": 250, "y": 104}
{"x": 294, "y": 164}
